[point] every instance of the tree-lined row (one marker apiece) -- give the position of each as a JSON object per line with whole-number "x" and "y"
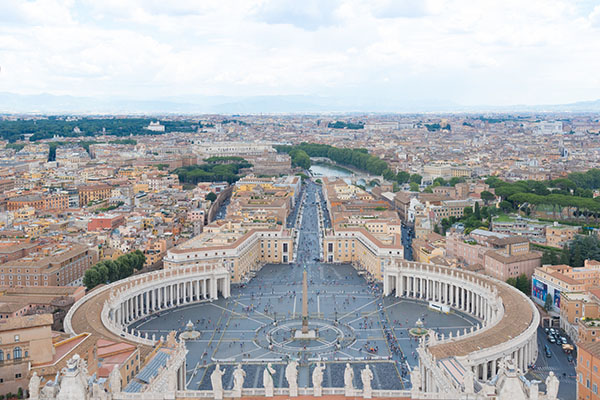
{"x": 108, "y": 271}
{"x": 14, "y": 130}
{"x": 215, "y": 171}
{"x": 560, "y": 194}
{"x": 357, "y": 158}
{"x": 583, "y": 247}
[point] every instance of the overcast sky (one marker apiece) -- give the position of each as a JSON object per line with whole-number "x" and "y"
{"x": 470, "y": 52}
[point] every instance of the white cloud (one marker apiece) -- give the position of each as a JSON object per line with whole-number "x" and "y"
{"x": 538, "y": 51}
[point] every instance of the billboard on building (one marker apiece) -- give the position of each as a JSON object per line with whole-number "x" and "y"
{"x": 539, "y": 289}
{"x": 556, "y": 298}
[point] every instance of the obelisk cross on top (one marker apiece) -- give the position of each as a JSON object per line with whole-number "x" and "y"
{"x": 304, "y": 302}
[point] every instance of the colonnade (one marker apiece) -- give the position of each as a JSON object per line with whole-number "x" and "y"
{"x": 453, "y": 294}
{"x": 149, "y": 299}
{"x": 472, "y": 294}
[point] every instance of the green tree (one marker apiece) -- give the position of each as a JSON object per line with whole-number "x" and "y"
{"x": 414, "y": 187}
{"x": 548, "y": 303}
{"x": 91, "y": 278}
{"x": 487, "y": 197}
{"x": 416, "y": 178}
{"x": 505, "y": 206}
{"x": 477, "y": 212}
{"x": 210, "y": 196}
{"x": 523, "y": 284}
{"x": 402, "y": 177}
{"x": 455, "y": 179}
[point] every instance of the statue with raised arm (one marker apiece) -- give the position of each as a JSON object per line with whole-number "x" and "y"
{"x": 238, "y": 380}
{"x": 268, "y": 380}
{"x": 216, "y": 379}
{"x": 317, "y": 379}
{"x": 348, "y": 380}
{"x": 291, "y": 375}
{"x": 551, "y": 386}
{"x": 34, "y": 386}
{"x": 366, "y": 376}
{"x": 415, "y": 379}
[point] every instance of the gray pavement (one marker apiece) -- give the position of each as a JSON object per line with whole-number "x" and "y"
{"x": 255, "y": 324}
{"x": 557, "y": 363}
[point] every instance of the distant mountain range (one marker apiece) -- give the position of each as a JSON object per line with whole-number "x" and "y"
{"x": 11, "y": 103}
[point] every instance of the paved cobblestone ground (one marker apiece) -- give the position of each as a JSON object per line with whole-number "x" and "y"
{"x": 378, "y": 325}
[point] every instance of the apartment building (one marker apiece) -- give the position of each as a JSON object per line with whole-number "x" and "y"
{"x": 93, "y": 193}
{"x": 501, "y": 256}
{"x": 587, "y": 370}
{"x": 53, "y": 265}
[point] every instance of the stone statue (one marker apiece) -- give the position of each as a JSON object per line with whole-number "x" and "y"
{"x": 366, "y": 375}
{"x": 171, "y": 381}
{"x": 98, "y": 392}
{"x": 268, "y": 380}
{"x": 73, "y": 384}
{"x": 551, "y": 386}
{"x": 238, "y": 380}
{"x": 291, "y": 375}
{"x": 114, "y": 380}
{"x": 415, "y": 379}
{"x": 349, "y": 380}
{"x": 468, "y": 380}
{"x": 171, "y": 341}
{"x": 317, "y": 379}
{"x": 216, "y": 379}
{"x": 49, "y": 390}
{"x": 34, "y": 386}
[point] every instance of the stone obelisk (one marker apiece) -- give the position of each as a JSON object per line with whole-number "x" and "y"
{"x": 304, "y": 303}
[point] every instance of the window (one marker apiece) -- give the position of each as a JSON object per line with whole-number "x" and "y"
{"x": 595, "y": 388}
{"x": 17, "y": 338}
{"x": 1, "y": 355}
{"x": 17, "y": 376}
{"x": 17, "y": 354}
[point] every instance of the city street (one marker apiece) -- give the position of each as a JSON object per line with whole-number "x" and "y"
{"x": 558, "y": 363}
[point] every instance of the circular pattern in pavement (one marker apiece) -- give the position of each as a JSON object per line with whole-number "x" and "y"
{"x": 331, "y": 336}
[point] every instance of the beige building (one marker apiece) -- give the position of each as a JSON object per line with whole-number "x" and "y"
{"x": 241, "y": 248}
{"x": 559, "y": 235}
{"x": 23, "y": 341}
{"x": 366, "y": 251}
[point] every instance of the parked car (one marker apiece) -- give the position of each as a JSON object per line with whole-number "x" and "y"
{"x": 551, "y": 339}
{"x": 546, "y": 330}
{"x": 552, "y": 331}
{"x": 564, "y": 340}
{"x": 569, "y": 358}
{"x": 547, "y": 350}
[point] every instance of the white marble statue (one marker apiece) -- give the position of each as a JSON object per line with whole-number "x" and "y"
{"x": 551, "y": 386}
{"x": 34, "y": 386}
{"x": 415, "y": 379}
{"x": 114, "y": 380}
{"x": 468, "y": 380}
{"x": 268, "y": 380}
{"x": 366, "y": 375}
{"x": 291, "y": 375}
{"x": 317, "y": 379}
{"x": 238, "y": 380}
{"x": 349, "y": 380}
{"x": 216, "y": 380}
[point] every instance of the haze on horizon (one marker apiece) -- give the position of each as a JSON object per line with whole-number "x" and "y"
{"x": 428, "y": 51}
